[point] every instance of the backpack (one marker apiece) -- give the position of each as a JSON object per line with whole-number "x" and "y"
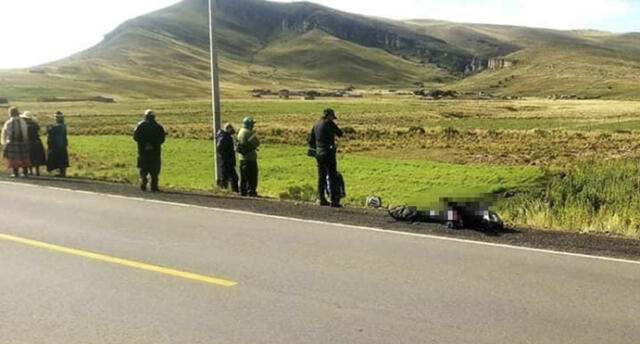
{"x": 341, "y": 187}
{"x": 404, "y": 213}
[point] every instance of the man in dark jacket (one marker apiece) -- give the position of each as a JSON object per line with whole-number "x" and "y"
{"x": 322, "y": 139}
{"x": 227, "y": 158}
{"x": 150, "y": 136}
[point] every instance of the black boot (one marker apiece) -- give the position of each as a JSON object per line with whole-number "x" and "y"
{"x": 154, "y": 183}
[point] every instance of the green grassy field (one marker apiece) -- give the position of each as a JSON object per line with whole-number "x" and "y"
{"x": 522, "y": 132}
{"x": 587, "y": 197}
{"x": 286, "y": 172}
{"x": 401, "y": 148}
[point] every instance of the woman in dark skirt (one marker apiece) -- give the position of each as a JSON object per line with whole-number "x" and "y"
{"x": 36, "y": 149}
{"x": 15, "y": 142}
{"x": 57, "y": 142}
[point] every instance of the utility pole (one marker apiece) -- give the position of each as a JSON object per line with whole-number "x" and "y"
{"x": 215, "y": 85}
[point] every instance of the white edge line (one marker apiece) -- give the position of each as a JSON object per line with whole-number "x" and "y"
{"x": 370, "y": 229}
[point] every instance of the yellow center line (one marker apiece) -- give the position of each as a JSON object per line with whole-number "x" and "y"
{"x": 119, "y": 261}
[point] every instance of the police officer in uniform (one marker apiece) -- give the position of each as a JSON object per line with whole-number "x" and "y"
{"x": 322, "y": 139}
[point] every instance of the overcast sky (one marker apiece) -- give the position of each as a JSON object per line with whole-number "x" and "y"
{"x": 39, "y": 31}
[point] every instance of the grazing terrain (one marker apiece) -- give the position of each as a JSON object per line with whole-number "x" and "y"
{"x": 563, "y": 164}
{"x": 301, "y": 45}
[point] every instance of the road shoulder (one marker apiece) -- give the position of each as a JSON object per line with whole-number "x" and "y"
{"x": 590, "y": 244}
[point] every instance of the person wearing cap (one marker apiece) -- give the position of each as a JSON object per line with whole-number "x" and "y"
{"x": 57, "y": 146}
{"x": 248, "y": 145}
{"x": 150, "y": 136}
{"x": 36, "y": 148}
{"x": 227, "y": 158}
{"x": 323, "y": 140}
{"x": 15, "y": 143}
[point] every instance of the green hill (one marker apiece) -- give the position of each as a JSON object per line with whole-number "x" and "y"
{"x": 302, "y": 45}
{"x": 316, "y": 55}
{"x": 547, "y": 62}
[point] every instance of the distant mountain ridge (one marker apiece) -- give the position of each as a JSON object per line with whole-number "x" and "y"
{"x": 301, "y": 44}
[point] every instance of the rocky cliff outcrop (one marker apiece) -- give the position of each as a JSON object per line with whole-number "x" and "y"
{"x": 499, "y": 63}
{"x": 301, "y": 17}
{"x": 478, "y": 64}
{"x": 264, "y": 22}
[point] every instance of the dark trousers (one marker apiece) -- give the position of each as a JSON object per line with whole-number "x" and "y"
{"x": 328, "y": 167}
{"x": 248, "y": 178}
{"x": 154, "y": 178}
{"x": 229, "y": 177}
{"x": 150, "y": 163}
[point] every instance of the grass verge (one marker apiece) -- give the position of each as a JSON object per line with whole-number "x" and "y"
{"x": 286, "y": 172}
{"x": 597, "y": 196}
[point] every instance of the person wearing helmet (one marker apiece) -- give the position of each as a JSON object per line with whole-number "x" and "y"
{"x": 247, "y": 147}
{"x": 227, "y": 158}
{"x": 150, "y": 136}
{"x": 323, "y": 141}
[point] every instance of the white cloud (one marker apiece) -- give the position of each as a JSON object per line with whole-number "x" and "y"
{"x": 37, "y": 31}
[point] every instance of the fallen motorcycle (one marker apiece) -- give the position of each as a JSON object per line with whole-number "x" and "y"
{"x": 453, "y": 216}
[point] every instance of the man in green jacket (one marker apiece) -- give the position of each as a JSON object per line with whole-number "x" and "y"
{"x": 248, "y": 145}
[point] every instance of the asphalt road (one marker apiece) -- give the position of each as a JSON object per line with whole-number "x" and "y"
{"x": 297, "y": 282}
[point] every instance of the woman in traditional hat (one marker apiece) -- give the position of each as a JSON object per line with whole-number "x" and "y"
{"x": 15, "y": 142}
{"x": 57, "y": 143}
{"x": 36, "y": 149}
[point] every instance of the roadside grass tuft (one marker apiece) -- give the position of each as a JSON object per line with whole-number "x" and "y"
{"x": 595, "y": 196}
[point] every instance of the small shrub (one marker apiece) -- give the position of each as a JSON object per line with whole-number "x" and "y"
{"x": 493, "y": 133}
{"x": 541, "y": 132}
{"x": 300, "y": 193}
{"x": 450, "y": 132}
{"x": 419, "y": 130}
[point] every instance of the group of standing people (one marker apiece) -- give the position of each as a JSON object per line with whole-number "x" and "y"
{"x": 322, "y": 142}
{"x": 150, "y": 135}
{"x": 23, "y": 149}
{"x": 246, "y": 145}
